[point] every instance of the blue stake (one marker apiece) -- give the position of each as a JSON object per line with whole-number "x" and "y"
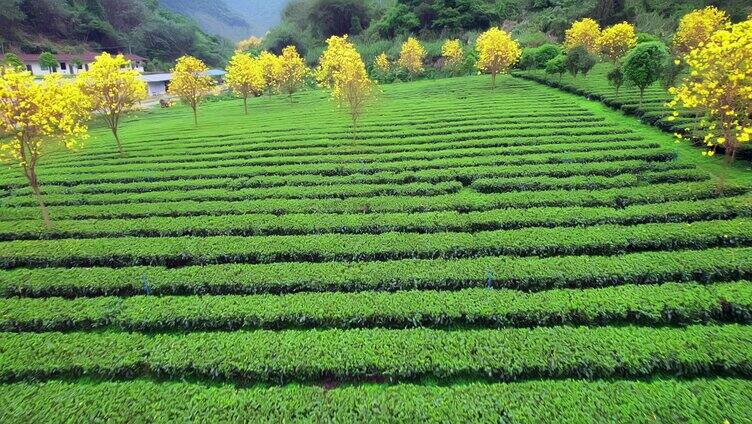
{"x": 490, "y": 279}
{"x": 145, "y": 280}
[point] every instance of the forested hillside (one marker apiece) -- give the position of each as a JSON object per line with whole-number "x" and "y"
{"x": 382, "y": 25}
{"x": 233, "y": 19}
{"x": 143, "y": 27}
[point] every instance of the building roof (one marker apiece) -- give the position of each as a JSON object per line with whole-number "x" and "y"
{"x": 161, "y": 77}
{"x": 156, "y": 77}
{"x": 71, "y": 57}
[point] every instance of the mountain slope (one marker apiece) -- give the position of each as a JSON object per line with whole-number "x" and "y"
{"x": 140, "y": 26}
{"x": 233, "y": 19}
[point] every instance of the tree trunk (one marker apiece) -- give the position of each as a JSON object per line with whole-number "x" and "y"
{"x": 34, "y": 183}
{"x": 493, "y": 80}
{"x": 117, "y": 140}
{"x": 245, "y": 104}
{"x": 195, "y": 116}
{"x": 642, "y": 92}
{"x": 730, "y": 153}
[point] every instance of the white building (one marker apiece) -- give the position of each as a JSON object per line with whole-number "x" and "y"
{"x": 158, "y": 84}
{"x": 71, "y": 64}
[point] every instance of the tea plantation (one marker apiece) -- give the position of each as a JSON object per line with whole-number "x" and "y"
{"x": 515, "y": 255}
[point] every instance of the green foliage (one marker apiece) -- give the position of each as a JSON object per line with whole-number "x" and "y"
{"x": 673, "y": 69}
{"x": 399, "y": 19}
{"x": 521, "y": 235}
{"x": 14, "y": 61}
{"x": 527, "y": 274}
{"x": 644, "y": 65}
{"x": 652, "y": 110}
{"x": 615, "y": 77}
{"x": 607, "y": 239}
{"x": 282, "y": 36}
{"x": 338, "y": 17}
{"x": 557, "y": 65}
{"x": 141, "y": 26}
{"x": 527, "y": 60}
{"x": 670, "y": 303}
{"x": 408, "y": 354}
{"x": 47, "y": 61}
{"x": 538, "y": 57}
{"x": 710, "y": 400}
{"x": 644, "y": 37}
{"x": 579, "y": 61}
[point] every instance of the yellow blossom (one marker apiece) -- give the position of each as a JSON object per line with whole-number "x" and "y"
{"x": 497, "y": 52}
{"x": 36, "y": 116}
{"x": 616, "y": 40}
{"x": 453, "y": 55}
{"x": 584, "y": 32}
{"x": 245, "y": 76}
{"x": 411, "y": 56}
{"x": 191, "y": 82}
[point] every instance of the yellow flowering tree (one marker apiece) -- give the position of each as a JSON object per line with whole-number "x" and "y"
{"x": 245, "y": 77}
{"x": 719, "y": 86}
{"x": 37, "y": 116}
{"x": 615, "y": 41}
{"x": 249, "y": 44}
{"x": 271, "y": 67}
{"x": 381, "y": 66}
{"x": 113, "y": 89}
{"x": 342, "y": 70}
{"x": 497, "y": 52}
{"x": 292, "y": 71}
{"x": 696, "y": 27}
{"x": 191, "y": 83}
{"x": 411, "y": 56}
{"x": 453, "y": 55}
{"x": 584, "y": 32}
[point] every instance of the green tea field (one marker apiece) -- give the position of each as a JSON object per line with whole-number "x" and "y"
{"x": 518, "y": 255}
{"x": 595, "y": 85}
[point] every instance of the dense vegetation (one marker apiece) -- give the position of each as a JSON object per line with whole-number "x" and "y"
{"x": 382, "y": 25}
{"x": 468, "y": 250}
{"x": 139, "y": 26}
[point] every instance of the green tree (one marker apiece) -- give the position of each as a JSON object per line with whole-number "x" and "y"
{"x": 557, "y": 65}
{"x": 14, "y": 61}
{"x": 545, "y": 53}
{"x": 644, "y": 65}
{"x": 47, "y": 61}
{"x": 579, "y": 60}
{"x": 672, "y": 70}
{"x": 615, "y": 77}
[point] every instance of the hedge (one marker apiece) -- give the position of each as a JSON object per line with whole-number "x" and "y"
{"x": 670, "y": 303}
{"x": 407, "y": 354}
{"x": 378, "y": 223}
{"x": 720, "y": 264}
{"x": 465, "y": 174}
{"x": 464, "y": 201}
{"x": 712, "y": 400}
{"x": 182, "y": 251}
{"x": 213, "y": 171}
